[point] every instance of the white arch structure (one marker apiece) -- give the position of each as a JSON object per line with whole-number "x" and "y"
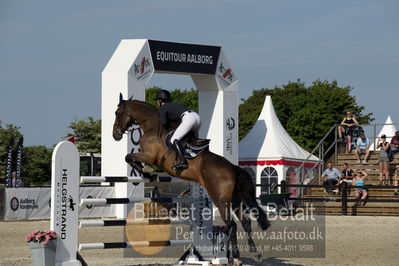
{"x": 129, "y": 70}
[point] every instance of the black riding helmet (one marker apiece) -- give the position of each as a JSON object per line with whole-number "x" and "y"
{"x": 163, "y": 95}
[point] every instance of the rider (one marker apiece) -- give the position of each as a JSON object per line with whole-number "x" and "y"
{"x": 188, "y": 119}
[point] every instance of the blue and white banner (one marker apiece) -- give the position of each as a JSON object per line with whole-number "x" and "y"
{"x": 19, "y": 156}
{"x": 9, "y": 162}
{"x": 34, "y": 203}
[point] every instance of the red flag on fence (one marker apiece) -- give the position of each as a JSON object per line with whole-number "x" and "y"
{"x": 72, "y": 139}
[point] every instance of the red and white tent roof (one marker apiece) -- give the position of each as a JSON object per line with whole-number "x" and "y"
{"x": 268, "y": 140}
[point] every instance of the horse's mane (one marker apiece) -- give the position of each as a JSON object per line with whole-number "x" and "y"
{"x": 146, "y": 104}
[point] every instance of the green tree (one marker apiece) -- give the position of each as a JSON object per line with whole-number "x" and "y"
{"x": 87, "y": 135}
{"x": 36, "y": 160}
{"x": 5, "y": 135}
{"x": 36, "y": 165}
{"x": 307, "y": 113}
{"x": 188, "y": 98}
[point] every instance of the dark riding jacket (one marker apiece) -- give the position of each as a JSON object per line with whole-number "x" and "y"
{"x": 171, "y": 112}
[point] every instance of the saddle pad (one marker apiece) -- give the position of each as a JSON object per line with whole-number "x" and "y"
{"x": 190, "y": 151}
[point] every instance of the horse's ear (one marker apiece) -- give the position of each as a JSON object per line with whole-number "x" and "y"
{"x": 131, "y": 98}
{"x": 120, "y": 97}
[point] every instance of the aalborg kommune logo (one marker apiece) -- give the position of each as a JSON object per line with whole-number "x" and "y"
{"x": 14, "y": 204}
{"x": 23, "y": 204}
{"x": 141, "y": 70}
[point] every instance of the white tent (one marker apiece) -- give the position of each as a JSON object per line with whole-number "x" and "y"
{"x": 270, "y": 155}
{"x": 388, "y": 130}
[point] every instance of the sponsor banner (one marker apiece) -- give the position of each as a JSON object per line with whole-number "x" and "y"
{"x": 19, "y": 156}
{"x": 27, "y": 203}
{"x": 9, "y": 162}
{"x": 34, "y": 203}
{"x": 184, "y": 57}
{"x": 225, "y": 74}
{"x": 231, "y": 126}
{"x": 143, "y": 67}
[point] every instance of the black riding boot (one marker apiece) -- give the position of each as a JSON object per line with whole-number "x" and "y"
{"x": 182, "y": 164}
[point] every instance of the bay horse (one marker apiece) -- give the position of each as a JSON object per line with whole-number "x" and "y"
{"x": 228, "y": 185}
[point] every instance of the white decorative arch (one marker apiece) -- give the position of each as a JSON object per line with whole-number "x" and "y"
{"x": 129, "y": 70}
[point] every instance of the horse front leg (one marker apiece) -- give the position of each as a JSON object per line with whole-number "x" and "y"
{"x": 135, "y": 160}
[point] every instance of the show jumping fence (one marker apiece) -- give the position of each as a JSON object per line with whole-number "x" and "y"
{"x": 65, "y": 215}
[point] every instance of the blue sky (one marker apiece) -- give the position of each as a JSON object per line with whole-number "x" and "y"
{"x": 52, "y": 52}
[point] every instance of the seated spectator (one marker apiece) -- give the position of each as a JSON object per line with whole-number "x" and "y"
{"x": 346, "y": 176}
{"x": 362, "y": 147}
{"x": 330, "y": 178}
{"x": 348, "y": 124}
{"x": 395, "y": 142}
{"x": 360, "y": 192}
{"x": 396, "y": 179}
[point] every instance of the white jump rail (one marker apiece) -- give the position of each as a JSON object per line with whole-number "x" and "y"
{"x": 108, "y": 201}
{"x": 113, "y": 245}
{"x": 146, "y": 221}
{"x": 135, "y": 179}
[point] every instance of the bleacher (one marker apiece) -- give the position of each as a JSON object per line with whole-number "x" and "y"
{"x": 333, "y": 204}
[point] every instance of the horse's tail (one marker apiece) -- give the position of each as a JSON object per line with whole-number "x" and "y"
{"x": 245, "y": 191}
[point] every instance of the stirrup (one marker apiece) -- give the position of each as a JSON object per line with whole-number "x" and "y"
{"x": 180, "y": 166}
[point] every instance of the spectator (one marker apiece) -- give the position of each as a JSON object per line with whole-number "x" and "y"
{"x": 395, "y": 142}
{"x": 383, "y": 159}
{"x": 362, "y": 147}
{"x": 358, "y": 183}
{"x": 348, "y": 124}
{"x": 330, "y": 178}
{"x": 16, "y": 182}
{"x": 396, "y": 182}
{"x": 346, "y": 176}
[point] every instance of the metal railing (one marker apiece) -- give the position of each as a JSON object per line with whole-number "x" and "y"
{"x": 342, "y": 197}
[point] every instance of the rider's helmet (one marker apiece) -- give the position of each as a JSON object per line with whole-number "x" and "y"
{"x": 162, "y": 95}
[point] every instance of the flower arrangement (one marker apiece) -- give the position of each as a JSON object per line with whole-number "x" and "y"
{"x": 41, "y": 236}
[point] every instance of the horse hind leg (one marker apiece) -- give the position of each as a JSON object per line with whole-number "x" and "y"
{"x": 246, "y": 224}
{"x": 245, "y": 191}
{"x": 225, "y": 213}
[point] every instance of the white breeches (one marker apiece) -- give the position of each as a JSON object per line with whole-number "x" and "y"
{"x": 190, "y": 122}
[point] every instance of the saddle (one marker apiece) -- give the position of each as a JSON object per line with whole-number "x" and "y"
{"x": 191, "y": 146}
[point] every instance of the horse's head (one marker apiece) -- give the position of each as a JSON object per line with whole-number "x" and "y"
{"x": 123, "y": 119}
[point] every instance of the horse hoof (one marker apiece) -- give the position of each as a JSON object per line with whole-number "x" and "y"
{"x": 253, "y": 249}
{"x": 127, "y": 159}
{"x": 237, "y": 262}
{"x": 148, "y": 169}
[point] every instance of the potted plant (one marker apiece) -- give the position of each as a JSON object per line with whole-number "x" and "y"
{"x": 43, "y": 247}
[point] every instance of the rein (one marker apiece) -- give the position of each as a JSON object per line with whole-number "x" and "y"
{"x": 159, "y": 130}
